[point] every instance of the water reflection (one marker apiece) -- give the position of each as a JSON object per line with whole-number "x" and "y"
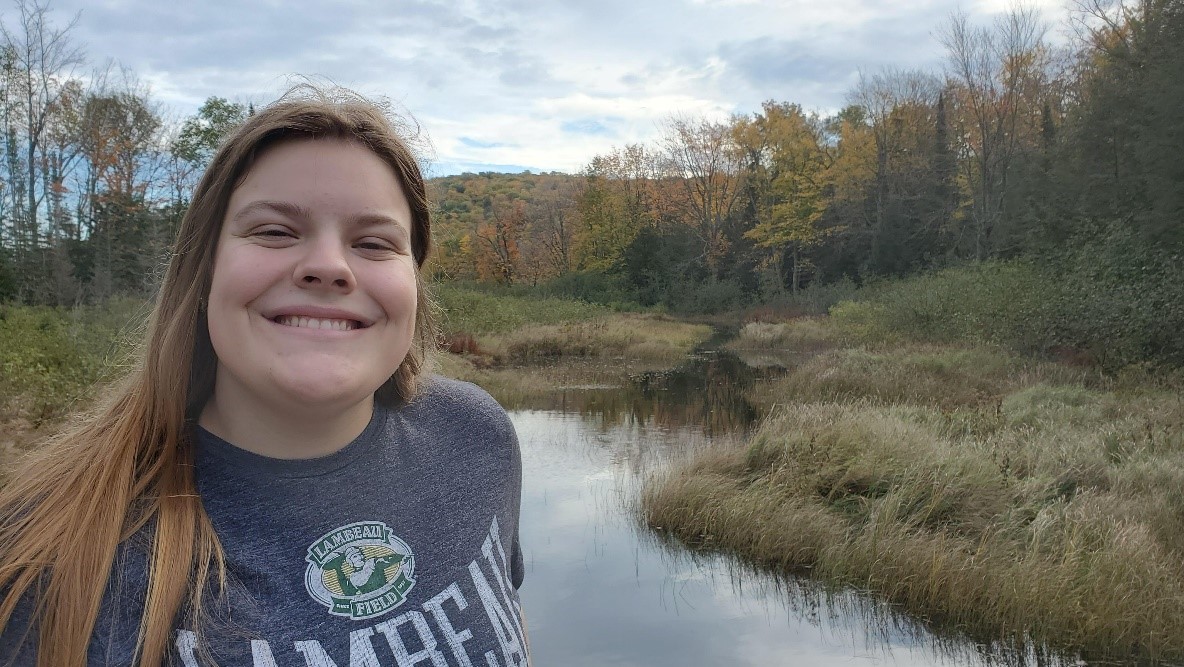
{"x": 601, "y": 589}
{"x": 707, "y": 393}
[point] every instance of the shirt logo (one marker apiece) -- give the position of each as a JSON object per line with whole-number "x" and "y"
{"x": 360, "y": 571}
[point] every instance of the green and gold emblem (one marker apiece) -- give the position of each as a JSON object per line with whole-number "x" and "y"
{"x": 360, "y": 571}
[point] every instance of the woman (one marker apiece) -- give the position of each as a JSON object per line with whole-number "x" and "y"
{"x": 276, "y": 483}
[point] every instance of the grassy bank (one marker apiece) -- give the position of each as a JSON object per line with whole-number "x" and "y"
{"x": 477, "y": 312}
{"x": 988, "y": 492}
{"x": 492, "y": 336}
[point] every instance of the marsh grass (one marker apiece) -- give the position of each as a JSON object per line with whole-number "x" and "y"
{"x": 512, "y": 386}
{"x": 986, "y": 492}
{"x": 804, "y": 334}
{"x": 506, "y": 329}
{"x": 916, "y": 374}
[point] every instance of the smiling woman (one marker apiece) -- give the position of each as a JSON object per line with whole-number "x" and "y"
{"x": 313, "y": 280}
{"x": 277, "y": 482}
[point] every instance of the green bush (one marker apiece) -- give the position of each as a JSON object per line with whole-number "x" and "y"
{"x": 711, "y": 296}
{"x": 1002, "y": 303}
{"x": 598, "y": 288}
{"x": 1123, "y": 300}
{"x": 50, "y": 358}
{"x": 815, "y": 299}
{"x": 1087, "y": 307}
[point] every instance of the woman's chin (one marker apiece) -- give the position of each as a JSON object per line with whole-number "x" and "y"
{"x": 326, "y": 395}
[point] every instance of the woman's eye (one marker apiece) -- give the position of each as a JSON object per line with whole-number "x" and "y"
{"x": 376, "y": 245}
{"x": 274, "y": 233}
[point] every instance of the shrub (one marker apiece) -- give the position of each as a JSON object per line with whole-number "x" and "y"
{"x": 50, "y": 358}
{"x": 1086, "y": 308}
{"x": 712, "y": 296}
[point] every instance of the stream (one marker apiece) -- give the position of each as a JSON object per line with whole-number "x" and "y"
{"x": 603, "y": 589}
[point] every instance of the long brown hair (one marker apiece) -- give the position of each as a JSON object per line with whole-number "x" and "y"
{"x": 129, "y": 463}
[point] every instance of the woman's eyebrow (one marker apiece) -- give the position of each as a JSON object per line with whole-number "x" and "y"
{"x": 372, "y": 219}
{"x": 286, "y": 209}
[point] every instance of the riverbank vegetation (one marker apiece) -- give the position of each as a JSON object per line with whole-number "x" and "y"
{"x": 519, "y": 345}
{"x": 518, "y": 328}
{"x": 989, "y": 492}
{"x": 1016, "y": 304}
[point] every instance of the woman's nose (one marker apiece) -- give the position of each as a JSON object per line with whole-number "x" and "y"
{"x": 324, "y": 264}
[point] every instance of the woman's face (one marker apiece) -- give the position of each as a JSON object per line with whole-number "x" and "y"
{"x": 313, "y": 297}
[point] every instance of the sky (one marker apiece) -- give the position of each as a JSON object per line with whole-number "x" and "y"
{"x": 515, "y": 85}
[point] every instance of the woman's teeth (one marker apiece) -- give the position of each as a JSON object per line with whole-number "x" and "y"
{"x": 316, "y": 323}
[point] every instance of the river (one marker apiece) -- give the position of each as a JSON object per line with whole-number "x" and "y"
{"x": 603, "y": 589}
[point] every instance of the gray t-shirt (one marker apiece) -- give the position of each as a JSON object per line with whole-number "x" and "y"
{"x": 399, "y": 549}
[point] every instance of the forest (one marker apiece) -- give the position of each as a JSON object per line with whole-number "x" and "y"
{"x": 1055, "y": 160}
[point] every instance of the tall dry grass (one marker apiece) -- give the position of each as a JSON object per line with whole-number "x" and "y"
{"x": 989, "y": 493}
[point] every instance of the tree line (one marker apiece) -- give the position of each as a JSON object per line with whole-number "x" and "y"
{"x": 1015, "y": 149}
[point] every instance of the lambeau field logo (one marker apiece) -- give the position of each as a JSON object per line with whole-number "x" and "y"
{"x": 360, "y": 571}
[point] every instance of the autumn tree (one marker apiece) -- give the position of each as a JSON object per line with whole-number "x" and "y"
{"x": 499, "y": 238}
{"x": 787, "y": 175}
{"x": 552, "y": 219}
{"x": 702, "y": 159}
{"x": 619, "y": 198}
{"x": 121, "y": 140}
{"x": 851, "y": 210}
{"x": 604, "y": 231}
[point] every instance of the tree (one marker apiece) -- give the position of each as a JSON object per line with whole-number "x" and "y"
{"x": 39, "y": 61}
{"x": 791, "y": 165}
{"x": 202, "y": 133}
{"x": 500, "y": 236}
{"x": 605, "y": 228}
{"x": 1125, "y": 137}
{"x": 997, "y": 77}
{"x": 120, "y": 135}
{"x": 906, "y": 114}
{"x": 552, "y": 220}
{"x": 851, "y": 211}
{"x": 702, "y": 157}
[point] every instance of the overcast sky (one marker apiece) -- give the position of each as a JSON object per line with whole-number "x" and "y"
{"x": 522, "y": 84}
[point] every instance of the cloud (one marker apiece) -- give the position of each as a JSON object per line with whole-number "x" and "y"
{"x": 546, "y": 85}
{"x": 768, "y": 62}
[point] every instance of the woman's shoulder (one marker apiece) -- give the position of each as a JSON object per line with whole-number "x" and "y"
{"x": 447, "y": 398}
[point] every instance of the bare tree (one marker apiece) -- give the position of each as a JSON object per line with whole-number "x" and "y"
{"x": 703, "y": 157}
{"x": 998, "y": 76}
{"x": 39, "y": 65}
{"x": 551, "y": 219}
